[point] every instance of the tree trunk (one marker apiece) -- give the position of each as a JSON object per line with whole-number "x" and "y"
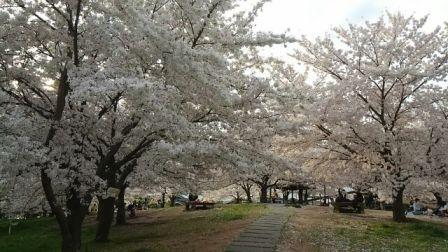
{"x": 172, "y": 199}
{"x": 238, "y": 198}
{"x": 121, "y": 207}
{"x": 300, "y": 195}
{"x": 306, "y": 196}
{"x": 246, "y": 189}
{"x": 75, "y": 219}
{"x": 70, "y": 226}
{"x": 248, "y": 196}
{"x": 285, "y": 196}
{"x": 105, "y": 218}
{"x": 398, "y": 210}
{"x": 263, "y": 194}
{"x": 163, "y": 200}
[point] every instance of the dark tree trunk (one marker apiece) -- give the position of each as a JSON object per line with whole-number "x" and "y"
{"x": 163, "y": 200}
{"x": 248, "y": 196}
{"x": 398, "y": 210}
{"x": 306, "y": 197}
{"x": 70, "y": 226}
{"x": 263, "y": 194}
{"x": 105, "y": 218}
{"x": 75, "y": 219}
{"x": 300, "y": 195}
{"x": 238, "y": 198}
{"x": 68, "y": 244}
{"x": 172, "y": 199}
{"x": 246, "y": 188}
{"x": 121, "y": 207}
{"x": 285, "y": 196}
{"x": 71, "y": 240}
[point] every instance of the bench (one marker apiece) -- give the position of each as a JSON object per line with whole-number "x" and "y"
{"x": 278, "y": 201}
{"x": 202, "y": 205}
{"x": 348, "y": 207}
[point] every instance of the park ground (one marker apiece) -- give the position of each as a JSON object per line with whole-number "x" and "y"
{"x": 167, "y": 229}
{"x": 311, "y": 228}
{"x": 315, "y": 228}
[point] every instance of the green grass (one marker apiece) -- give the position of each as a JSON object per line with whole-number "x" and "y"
{"x": 414, "y": 235}
{"x": 235, "y": 212}
{"x": 40, "y": 234}
{"x": 173, "y": 230}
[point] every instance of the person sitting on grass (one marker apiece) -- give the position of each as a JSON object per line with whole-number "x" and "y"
{"x": 342, "y": 196}
{"x": 410, "y": 207}
{"x": 131, "y": 209}
{"x": 418, "y": 207}
{"x": 441, "y": 204}
{"x": 358, "y": 202}
{"x": 443, "y": 211}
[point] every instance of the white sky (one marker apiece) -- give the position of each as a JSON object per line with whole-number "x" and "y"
{"x": 316, "y": 17}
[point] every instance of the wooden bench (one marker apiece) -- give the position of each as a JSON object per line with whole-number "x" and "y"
{"x": 348, "y": 207}
{"x": 202, "y": 205}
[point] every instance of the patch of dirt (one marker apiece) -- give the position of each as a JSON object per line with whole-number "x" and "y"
{"x": 311, "y": 218}
{"x": 214, "y": 241}
{"x": 433, "y": 218}
{"x": 177, "y": 230}
{"x": 154, "y": 216}
{"x": 313, "y": 228}
{"x": 291, "y": 237}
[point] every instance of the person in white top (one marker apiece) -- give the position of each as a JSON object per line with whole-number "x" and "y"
{"x": 418, "y": 207}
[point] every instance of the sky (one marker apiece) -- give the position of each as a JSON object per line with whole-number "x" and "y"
{"x": 316, "y": 17}
{"x": 313, "y": 18}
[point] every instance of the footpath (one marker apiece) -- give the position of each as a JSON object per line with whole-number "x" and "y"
{"x": 263, "y": 234}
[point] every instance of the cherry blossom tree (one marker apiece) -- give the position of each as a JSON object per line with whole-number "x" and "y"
{"x": 375, "y": 81}
{"x": 207, "y": 61}
{"x": 41, "y": 47}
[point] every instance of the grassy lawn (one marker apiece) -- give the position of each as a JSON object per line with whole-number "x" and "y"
{"x": 34, "y": 235}
{"x": 169, "y": 229}
{"x": 319, "y": 229}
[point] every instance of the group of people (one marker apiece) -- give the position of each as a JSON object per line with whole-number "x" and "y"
{"x": 143, "y": 204}
{"x": 357, "y": 202}
{"x": 342, "y": 197}
{"x": 442, "y": 206}
{"x": 417, "y": 208}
